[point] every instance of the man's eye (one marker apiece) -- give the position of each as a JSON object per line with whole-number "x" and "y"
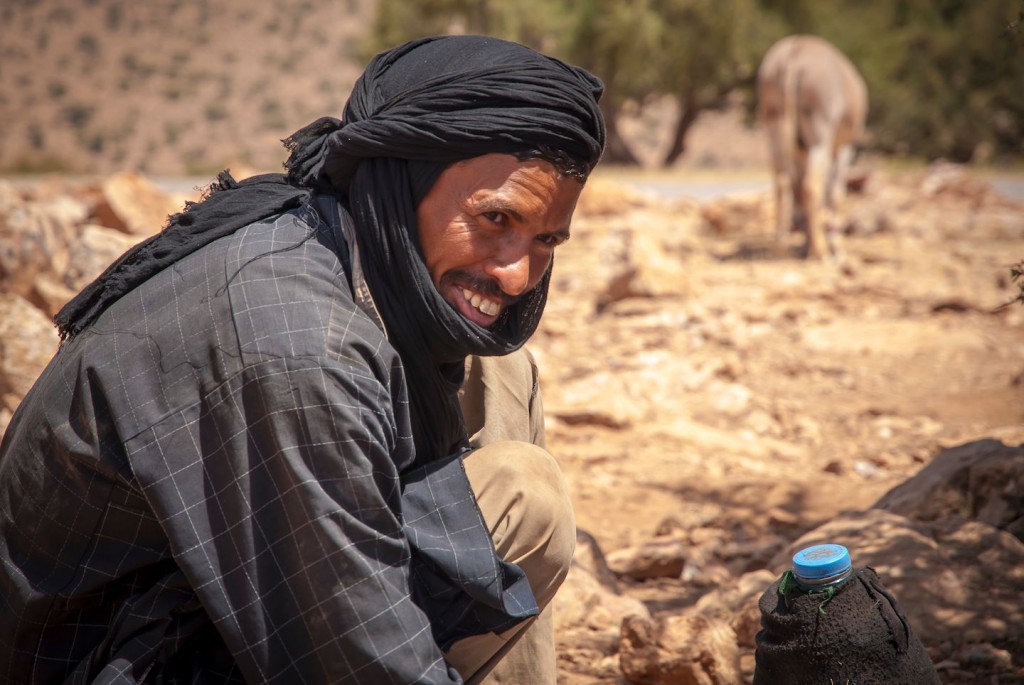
{"x": 552, "y": 239}
{"x": 494, "y": 217}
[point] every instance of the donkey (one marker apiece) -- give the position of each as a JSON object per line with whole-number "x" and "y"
{"x": 812, "y": 103}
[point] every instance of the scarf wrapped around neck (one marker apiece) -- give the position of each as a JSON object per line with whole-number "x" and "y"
{"x": 416, "y": 109}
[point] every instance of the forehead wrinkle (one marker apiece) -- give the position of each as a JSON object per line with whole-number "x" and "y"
{"x": 497, "y": 204}
{"x": 515, "y": 198}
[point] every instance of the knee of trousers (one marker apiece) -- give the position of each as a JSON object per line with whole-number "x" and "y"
{"x": 526, "y": 505}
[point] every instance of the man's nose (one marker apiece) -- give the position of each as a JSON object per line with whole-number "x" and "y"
{"x": 512, "y": 272}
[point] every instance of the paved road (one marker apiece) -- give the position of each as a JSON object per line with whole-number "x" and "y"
{"x": 1011, "y": 187}
{"x": 701, "y": 189}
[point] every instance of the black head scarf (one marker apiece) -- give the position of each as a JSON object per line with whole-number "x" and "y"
{"x": 416, "y": 109}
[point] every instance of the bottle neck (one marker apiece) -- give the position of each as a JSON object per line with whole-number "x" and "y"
{"x": 818, "y": 584}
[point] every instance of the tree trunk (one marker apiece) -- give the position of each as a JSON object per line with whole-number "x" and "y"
{"x": 616, "y": 150}
{"x": 683, "y": 124}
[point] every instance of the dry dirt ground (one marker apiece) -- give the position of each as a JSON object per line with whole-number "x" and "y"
{"x": 700, "y": 379}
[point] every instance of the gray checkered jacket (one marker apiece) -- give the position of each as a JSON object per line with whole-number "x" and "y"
{"x": 209, "y": 484}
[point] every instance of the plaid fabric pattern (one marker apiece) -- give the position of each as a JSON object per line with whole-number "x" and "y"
{"x": 207, "y": 486}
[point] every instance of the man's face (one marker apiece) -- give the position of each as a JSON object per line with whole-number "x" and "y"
{"x": 489, "y": 227}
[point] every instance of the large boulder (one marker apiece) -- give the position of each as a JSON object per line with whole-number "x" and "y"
{"x": 35, "y": 238}
{"x": 133, "y": 204}
{"x": 28, "y": 340}
{"x": 981, "y": 480}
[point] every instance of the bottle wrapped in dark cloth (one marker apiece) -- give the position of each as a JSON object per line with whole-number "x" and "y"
{"x": 851, "y": 634}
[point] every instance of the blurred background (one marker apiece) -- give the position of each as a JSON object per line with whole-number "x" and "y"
{"x": 187, "y": 87}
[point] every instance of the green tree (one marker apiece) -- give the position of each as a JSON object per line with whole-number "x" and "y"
{"x": 945, "y": 77}
{"x": 706, "y": 50}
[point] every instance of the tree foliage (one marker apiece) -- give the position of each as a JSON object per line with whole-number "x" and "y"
{"x": 946, "y": 77}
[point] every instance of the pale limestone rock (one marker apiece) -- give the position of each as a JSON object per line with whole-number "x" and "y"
{"x": 50, "y": 293}
{"x": 662, "y": 557}
{"x": 94, "y": 250}
{"x": 601, "y": 197}
{"x": 733, "y": 214}
{"x": 679, "y": 650}
{"x": 28, "y": 340}
{"x": 736, "y": 603}
{"x": 132, "y": 204}
{"x": 590, "y": 598}
{"x": 648, "y": 268}
{"x": 35, "y": 238}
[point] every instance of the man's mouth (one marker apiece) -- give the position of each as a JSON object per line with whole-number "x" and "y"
{"x": 481, "y": 303}
{"x": 478, "y": 299}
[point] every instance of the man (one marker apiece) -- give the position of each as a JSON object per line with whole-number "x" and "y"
{"x": 248, "y": 462}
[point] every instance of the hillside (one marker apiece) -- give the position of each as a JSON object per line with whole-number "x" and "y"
{"x": 168, "y": 87}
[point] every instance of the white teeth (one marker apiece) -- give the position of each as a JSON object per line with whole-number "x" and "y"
{"x": 489, "y": 307}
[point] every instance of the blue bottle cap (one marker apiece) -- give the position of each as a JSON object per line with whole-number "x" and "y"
{"x": 821, "y": 562}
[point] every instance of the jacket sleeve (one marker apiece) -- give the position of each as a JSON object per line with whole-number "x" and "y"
{"x": 280, "y": 496}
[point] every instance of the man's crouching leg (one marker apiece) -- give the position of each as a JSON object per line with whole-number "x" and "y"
{"x": 526, "y": 505}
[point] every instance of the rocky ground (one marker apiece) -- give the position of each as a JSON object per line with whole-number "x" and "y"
{"x": 712, "y": 398}
{"x": 716, "y": 401}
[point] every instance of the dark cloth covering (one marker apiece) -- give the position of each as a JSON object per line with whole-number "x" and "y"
{"x": 860, "y": 635}
{"x": 217, "y": 215}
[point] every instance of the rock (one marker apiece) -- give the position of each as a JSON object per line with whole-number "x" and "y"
{"x": 132, "y": 204}
{"x": 601, "y": 197}
{"x": 982, "y": 480}
{"x": 600, "y": 399}
{"x": 662, "y": 557}
{"x": 733, "y": 214}
{"x": 590, "y": 597}
{"x": 945, "y": 178}
{"x": 986, "y": 656}
{"x": 49, "y": 294}
{"x": 647, "y": 269}
{"x": 95, "y": 249}
{"x": 34, "y": 238}
{"x": 679, "y": 650}
{"x": 736, "y": 603}
{"x": 28, "y": 340}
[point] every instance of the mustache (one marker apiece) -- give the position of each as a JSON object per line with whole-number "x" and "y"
{"x": 484, "y": 285}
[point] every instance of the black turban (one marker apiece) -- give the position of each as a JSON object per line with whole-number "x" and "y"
{"x": 416, "y": 109}
{"x": 446, "y": 99}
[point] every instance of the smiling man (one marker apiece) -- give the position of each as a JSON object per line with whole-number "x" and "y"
{"x": 489, "y": 227}
{"x": 296, "y": 437}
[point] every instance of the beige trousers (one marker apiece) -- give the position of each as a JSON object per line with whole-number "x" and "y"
{"x": 526, "y": 505}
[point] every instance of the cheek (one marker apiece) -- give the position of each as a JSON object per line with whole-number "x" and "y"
{"x": 539, "y": 264}
{"x": 453, "y": 247}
